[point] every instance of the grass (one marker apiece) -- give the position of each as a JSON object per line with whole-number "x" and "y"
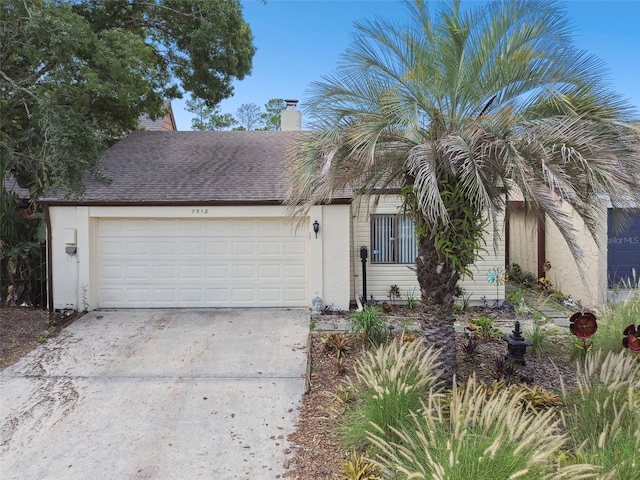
{"x": 602, "y": 417}
{"x": 473, "y": 436}
{"x": 389, "y": 384}
{"x": 612, "y": 323}
{"x": 539, "y": 337}
{"x": 369, "y": 323}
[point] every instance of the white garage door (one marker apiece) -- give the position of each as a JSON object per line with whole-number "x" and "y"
{"x": 147, "y": 263}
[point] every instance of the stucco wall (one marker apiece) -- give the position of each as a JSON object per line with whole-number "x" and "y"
{"x": 587, "y": 280}
{"x": 74, "y": 275}
{"x": 523, "y": 240}
{"x": 381, "y": 276}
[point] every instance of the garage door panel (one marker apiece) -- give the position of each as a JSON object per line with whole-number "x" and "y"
{"x": 204, "y": 262}
{"x": 272, "y": 248}
{"x": 217, "y": 272}
{"x": 163, "y": 248}
{"x": 216, "y": 248}
{"x": 160, "y": 295}
{"x": 163, "y": 272}
{"x": 295, "y": 248}
{"x": 295, "y": 271}
{"x": 295, "y": 295}
{"x": 242, "y": 248}
{"x": 137, "y": 272}
{"x": 269, "y": 272}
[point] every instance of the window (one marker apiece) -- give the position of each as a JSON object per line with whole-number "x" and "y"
{"x": 393, "y": 239}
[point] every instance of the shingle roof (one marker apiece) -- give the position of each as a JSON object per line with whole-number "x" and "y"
{"x": 193, "y": 167}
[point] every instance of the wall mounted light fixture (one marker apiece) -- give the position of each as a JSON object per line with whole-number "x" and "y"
{"x": 316, "y": 228}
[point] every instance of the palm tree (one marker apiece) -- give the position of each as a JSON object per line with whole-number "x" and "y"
{"x": 458, "y": 110}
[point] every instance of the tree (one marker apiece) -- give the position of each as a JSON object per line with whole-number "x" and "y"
{"x": 249, "y": 116}
{"x": 76, "y": 75}
{"x": 272, "y": 116}
{"x": 458, "y": 110}
{"x": 208, "y": 118}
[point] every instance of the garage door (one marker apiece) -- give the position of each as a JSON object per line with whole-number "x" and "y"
{"x": 623, "y": 252}
{"x": 147, "y": 263}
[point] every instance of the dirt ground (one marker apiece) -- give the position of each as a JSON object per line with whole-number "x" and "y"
{"x": 22, "y": 330}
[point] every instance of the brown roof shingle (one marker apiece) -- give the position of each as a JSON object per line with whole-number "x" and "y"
{"x": 166, "y": 167}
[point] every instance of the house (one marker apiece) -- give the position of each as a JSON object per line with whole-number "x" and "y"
{"x": 196, "y": 219}
{"x": 608, "y": 263}
{"x": 167, "y": 123}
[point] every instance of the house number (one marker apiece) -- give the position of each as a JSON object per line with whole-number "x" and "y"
{"x": 199, "y": 211}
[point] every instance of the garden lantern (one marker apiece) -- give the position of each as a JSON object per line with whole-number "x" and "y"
{"x": 516, "y": 345}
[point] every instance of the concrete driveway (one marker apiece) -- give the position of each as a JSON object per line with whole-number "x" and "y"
{"x": 162, "y": 394}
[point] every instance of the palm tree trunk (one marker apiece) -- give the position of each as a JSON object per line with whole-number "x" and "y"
{"x": 437, "y": 282}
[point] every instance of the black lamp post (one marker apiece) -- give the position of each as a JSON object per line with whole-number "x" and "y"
{"x": 516, "y": 345}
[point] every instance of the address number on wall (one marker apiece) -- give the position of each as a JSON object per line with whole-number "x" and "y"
{"x": 199, "y": 211}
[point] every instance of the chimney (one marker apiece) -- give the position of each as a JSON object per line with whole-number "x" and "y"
{"x": 291, "y": 118}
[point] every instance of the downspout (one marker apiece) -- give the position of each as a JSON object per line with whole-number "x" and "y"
{"x": 49, "y": 256}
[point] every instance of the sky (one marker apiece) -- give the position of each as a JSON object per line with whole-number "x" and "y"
{"x": 300, "y": 41}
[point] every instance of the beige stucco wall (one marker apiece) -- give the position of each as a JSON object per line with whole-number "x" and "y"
{"x": 381, "y": 276}
{"x": 74, "y": 276}
{"x": 587, "y": 280}
{"x": 523, "y": 240}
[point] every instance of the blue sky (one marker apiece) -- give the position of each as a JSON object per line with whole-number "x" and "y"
{"x": 299, "y": 41}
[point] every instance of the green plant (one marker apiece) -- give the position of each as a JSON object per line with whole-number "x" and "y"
{"x": 369, "y": 324}
{"x": 337, "y": 343}
{"x": 394, "y": 293}
{"x": 537, "y": 397}
{"x": 463, "y": 300}
{"x": 538, "y": 336}
{"x": 340, "y": 364}
{"x": 412, "y": 301}
{"x": 359, "y": 468}
{"x": 475, "y": 436}
{"x": 483, "y": 328}
{"x": 515, "y": 273}
{"x": 516, "y": 296}
{"x": 502, "y": 369}
{"x": 345, "y": 394}
{"x": 312, "y": 325}
{"x": 601, "y": 416}
{"x": 612, "y": 323}
{"x": 470, "y": 349}
{"x": 85, "y": 301}
{"x": 390, "y": 383}
{"x": 41, "y": 339}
